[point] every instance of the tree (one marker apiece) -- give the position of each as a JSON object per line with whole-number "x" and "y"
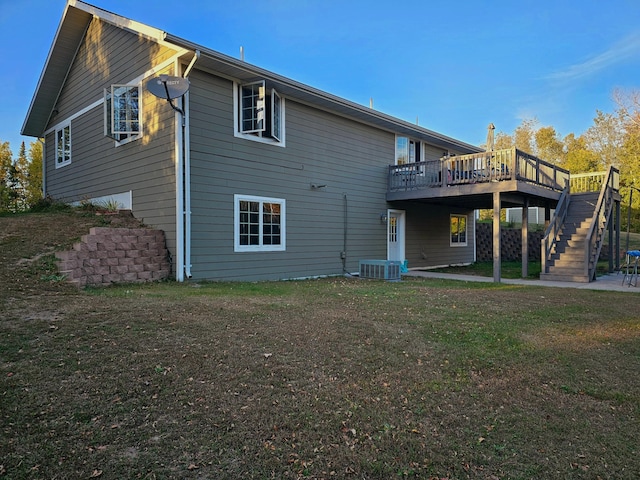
{"x": 549, "y": 147}
{"x": 524, "y": 135}
{"x": 21, "y": 166}
{"x": 606, "y": 137}
{"x": 628, "y": 106}
{"x": 33, "y": 175}
{"x": 578, "y": 157}
{"x": 503, "y": 141}
{"x": 6, "y": 160}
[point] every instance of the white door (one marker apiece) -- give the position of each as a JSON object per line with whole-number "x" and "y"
{"x": 395, "y": 235}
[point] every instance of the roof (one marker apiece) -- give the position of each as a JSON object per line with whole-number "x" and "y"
{"x": 78, "y": 15}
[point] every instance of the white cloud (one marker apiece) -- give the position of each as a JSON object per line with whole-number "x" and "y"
{"x": 619, "y": 52}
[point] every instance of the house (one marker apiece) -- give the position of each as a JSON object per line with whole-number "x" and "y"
{"x": 251, "y": 175}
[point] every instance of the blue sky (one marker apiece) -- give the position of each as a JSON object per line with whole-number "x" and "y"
{"x": 455, "y": 66}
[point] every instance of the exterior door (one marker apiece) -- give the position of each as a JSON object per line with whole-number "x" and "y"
{"x": 395, "y": 235}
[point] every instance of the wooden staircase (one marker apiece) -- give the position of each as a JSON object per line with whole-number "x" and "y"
{"x": 567, "y": 260}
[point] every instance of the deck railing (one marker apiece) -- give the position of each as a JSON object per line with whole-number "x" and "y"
{"x": 601, "y": 216}
{"x": 552, "y": 233}
{"x": 495, "y": 166}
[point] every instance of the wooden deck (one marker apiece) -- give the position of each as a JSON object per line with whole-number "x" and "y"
{"x": 473, "y": 179}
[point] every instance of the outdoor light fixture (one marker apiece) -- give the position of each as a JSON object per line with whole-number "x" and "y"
{"x": 383, "y": 218}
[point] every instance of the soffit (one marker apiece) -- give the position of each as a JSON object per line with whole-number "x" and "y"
{"x": 73, "y": 27}
{"x": 63, "y": 50}
{"x": 239, "y": 70}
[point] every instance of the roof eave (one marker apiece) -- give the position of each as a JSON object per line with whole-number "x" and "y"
{"x": 75, "y": 20}
{"x": 241, "y": 70}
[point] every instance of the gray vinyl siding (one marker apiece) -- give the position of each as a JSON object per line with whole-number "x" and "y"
{"x": 99, "y": 168}
{"x": 348, "y": 157}
{"x": 428, "y": 236}
{"x": 108, "y": 55}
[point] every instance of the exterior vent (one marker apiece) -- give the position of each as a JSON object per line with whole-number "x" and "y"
{"x": 380, "y": 269}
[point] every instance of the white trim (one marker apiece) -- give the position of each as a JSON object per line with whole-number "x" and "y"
{"x": 401, "y": 233}
{"x": 99, "y": 102}
{"x": 255, "y": 138}
{"x": 124, "y": 200}
{"x": 187, "y": 184}
{"x": 180, "y": 249}
{"x": 466, "y": 230}
{"x": 64, "y": 163}
{"x": 236, "y": 224}
{"x": 122, "y": 22}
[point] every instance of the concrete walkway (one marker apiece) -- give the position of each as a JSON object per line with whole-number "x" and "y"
{"x": 611, "y": 282}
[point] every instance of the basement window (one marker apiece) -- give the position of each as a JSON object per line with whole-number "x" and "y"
{"x": 458, "y": 227}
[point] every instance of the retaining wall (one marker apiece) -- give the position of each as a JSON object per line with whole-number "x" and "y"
{"x": 510, "y": 243}
{"x": 116, "y": 255}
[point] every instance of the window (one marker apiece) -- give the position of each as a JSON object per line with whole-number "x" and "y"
{"x": 63, "y": 146}
{"x": 407, "y": 151}
{"x": 458, "y": 230}
{"x": 122, "y": 115}
{"x": 259, "y": 112}
{"x": 259, "y": 224}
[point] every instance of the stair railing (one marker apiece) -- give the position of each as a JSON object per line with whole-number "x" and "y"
{"x": 599, "y": 221}
{"x": 551, "y": 234}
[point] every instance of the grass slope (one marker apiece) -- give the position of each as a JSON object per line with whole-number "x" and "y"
{"x": 335, "y": 378}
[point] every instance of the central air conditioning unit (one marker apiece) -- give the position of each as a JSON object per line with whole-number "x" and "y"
{"x": 381, "y": 269}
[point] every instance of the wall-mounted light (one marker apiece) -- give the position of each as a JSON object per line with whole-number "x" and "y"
{"x": 383, "y": 217}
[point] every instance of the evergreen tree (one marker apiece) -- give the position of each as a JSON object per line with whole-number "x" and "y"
{"x": 7, "y": 177}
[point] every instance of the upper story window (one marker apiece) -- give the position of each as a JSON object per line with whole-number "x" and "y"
{"x": 122, "y": 112}
{"x": 63, "y": 145}
{"x": 259, "y": 113}
{"x": 458, "y": 230}
{"x": 259, "y": 224}
{"x": 407, "y": 151}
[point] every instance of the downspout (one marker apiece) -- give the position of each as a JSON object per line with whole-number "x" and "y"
{"x": 187, "y": 186}
{"x": 179, "y": 200}
{"x": 343, "y": 254}
{"x": 186, "y": 148}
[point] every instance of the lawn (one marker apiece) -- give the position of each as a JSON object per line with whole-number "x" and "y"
{"x": 332, "y": 378}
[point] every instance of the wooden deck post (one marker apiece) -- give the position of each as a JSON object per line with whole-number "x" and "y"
{"x": 496, "y": 237}
{"x": 525, "y": 239}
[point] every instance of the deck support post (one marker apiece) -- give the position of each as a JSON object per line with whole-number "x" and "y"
{"x": 496, "y": 237}
{"x": 525, "y": 239}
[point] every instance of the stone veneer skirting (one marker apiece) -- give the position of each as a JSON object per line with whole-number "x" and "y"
{"x": 116, "y": 255}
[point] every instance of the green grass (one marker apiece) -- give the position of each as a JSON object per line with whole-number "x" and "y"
{"x": 298, "y": 379}
{"x": 485, "y": 269}
{"x": 331, "y": 378}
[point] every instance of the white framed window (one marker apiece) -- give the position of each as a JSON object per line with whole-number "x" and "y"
{"x": 63, "y": 145}
{"x": 259, "y": 113}
{"x": 259, "y": 224}
{"x": 407, "y": 150}
{"x": 123, "y": 112}
{"x": 458, "y": 228}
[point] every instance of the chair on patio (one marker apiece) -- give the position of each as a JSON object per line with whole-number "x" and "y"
{"x": 630, "y": 267}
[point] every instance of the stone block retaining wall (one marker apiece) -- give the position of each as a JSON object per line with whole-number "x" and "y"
{"x": 510, "y": 244}
{"x": 116, "y": 255}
